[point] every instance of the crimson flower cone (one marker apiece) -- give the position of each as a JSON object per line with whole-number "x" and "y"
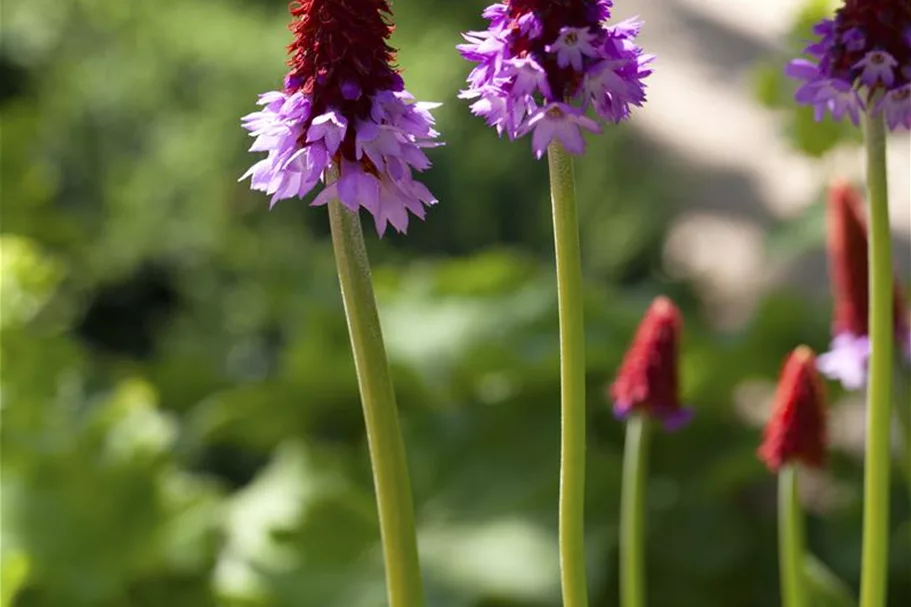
{"x": 647, "y": 381}
{"x": 847, "y": 244}
{"x": 796, "y": 431}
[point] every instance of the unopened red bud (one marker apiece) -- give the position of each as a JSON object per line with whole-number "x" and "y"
{"x": 647, "y": 381}
{"x": 796, "y": 431}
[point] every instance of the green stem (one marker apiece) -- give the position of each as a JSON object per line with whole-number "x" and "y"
{"x": 790, "y": 539}
{"x": 387, "y": 450}
{"x": 572, "y": 376}
{"x": 632, "y": 512}
{"x": 876, "y": 470}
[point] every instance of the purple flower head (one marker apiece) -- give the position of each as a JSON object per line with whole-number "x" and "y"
{"x": 860, "y": 59}
{"x": 540, "y": 64}
{"x": 343, "y": 109}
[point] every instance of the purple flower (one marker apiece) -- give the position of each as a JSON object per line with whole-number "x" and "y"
{"x": 896, "y": 107}
{"x": 343, "y": 110}
{"x": 846, "y": 360}
{"x": 572, "y": 45}
{"x": 877, "y": 67}
{"x": 562, "y": 122}
{"x": 541, "y": 64}
{"x": 860, "y": 59}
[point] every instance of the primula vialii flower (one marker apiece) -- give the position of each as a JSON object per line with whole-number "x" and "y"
{"x": 796, "y": 431}
{"x": 847, "y": 243}
{"x": 861, "y": 57}
{"x": 647, "y": 381}
{"x": 543, "y": 63}
{"x": 343, "y": 109}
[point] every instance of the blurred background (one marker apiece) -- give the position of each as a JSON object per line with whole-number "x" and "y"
{"x": 180, "y": 418}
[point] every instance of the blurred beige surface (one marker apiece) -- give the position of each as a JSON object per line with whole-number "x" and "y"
{"x": 701, "y": 107}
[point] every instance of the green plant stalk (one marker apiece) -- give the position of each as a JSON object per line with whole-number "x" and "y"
{"x": 875, "y": 554}
{"x": 790, "y": 539}
{"x": 632, "y": 512}
{"x": 572, "y": 378}
{"x": 387, "y": 449}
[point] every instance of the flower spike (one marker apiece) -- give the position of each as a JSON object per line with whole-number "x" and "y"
{"x": 796, "y": 430}
{"x": 541, "y": 64}
{"x": 847, "y": 358}
{"x": 861, "y": 58}
{"x": 344, "y": 110}
{"x": 647, "y": 381}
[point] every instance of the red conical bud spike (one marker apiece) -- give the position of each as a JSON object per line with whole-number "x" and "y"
{"x": 848, "y": 263}
{"x": 796, "y": 430}
{"x": 647, "y": 379}
{"x": 847, "y": 242}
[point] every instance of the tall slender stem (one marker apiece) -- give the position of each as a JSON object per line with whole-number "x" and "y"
{"x": 876, "y": 469}
{"x": 387, "y": 450}
{"x": 790, "y": 539}
{"x": 572, "y": 378}
{"x": 632, "y": 512}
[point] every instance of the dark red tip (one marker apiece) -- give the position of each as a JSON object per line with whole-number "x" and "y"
{"x": 340, "y": 55}
{"x": 884, "y": 25}
{"x": 797, "y": 429}
{"x": 848, "y": 264}
{"x": 647, "y": 380}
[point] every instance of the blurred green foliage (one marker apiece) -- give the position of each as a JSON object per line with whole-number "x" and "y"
{"x": 180, "y": 420}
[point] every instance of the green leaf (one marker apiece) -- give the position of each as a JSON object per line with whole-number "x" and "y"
{"x": 769, "y": 85}
{"x": 13, "y": 575}
{"x": 824, "y": 587}
{"x": 29, "y": 278}
{"x": 815, "y": 138}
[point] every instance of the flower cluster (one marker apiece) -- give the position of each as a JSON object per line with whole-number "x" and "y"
{"x": 543, "y": 63}
{"x": 847, "y": 243}
{"x": 860, "y": 59}
{"x": 343, "y": 112}
{"x": 796, "y": 430}
{"x": 647, "y": 381}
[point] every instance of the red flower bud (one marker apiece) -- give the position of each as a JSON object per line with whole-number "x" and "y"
{"x": 647, "y": 381}
{"x": 796, "y": 431}
{"x": 848, "y": 263}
